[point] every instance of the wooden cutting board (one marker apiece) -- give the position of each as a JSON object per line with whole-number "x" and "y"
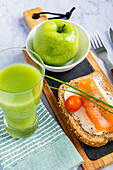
{"x": 88, "y": 164}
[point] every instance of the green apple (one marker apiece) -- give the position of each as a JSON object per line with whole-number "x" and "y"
{"x": 56, "y": 42}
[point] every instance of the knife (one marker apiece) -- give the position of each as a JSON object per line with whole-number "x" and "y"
{"x": 110, "y": 32}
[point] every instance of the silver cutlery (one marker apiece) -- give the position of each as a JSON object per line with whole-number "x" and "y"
{"x": 100, "y": 49}
{"x": 110, "y": 33}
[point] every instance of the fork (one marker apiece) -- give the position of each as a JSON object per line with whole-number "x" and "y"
{"x": 100, "y": 49}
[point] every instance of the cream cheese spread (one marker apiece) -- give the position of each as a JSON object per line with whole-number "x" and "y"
{"x": 81, "y": 115}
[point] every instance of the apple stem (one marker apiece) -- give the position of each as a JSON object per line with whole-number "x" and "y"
{"x": 62, "y": 28}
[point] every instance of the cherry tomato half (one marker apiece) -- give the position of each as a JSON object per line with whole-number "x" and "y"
{"x": 73, "y": 103}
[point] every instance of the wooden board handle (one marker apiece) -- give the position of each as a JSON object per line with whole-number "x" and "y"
{"x": 28, "y": 16}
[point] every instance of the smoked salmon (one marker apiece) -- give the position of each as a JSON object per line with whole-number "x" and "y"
{"x": 102, "y": 119}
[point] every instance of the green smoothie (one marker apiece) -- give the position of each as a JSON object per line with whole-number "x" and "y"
{"x": 20, "y": 91}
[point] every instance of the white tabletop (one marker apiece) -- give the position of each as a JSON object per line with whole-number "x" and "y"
{"x": 91, "y": 14}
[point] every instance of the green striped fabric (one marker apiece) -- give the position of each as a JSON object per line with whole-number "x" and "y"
{"x": 47, "y": 149}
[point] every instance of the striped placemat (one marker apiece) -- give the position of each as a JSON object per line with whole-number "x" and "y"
{"x": 14, "y": 151}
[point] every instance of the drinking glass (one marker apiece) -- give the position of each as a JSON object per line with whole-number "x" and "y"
{"x": 20, "y": 91}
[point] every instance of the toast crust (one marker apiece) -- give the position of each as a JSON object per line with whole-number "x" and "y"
{"x": 75, "y": 125}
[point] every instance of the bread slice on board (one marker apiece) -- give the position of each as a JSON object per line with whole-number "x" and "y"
{"x": 92, "y": 139}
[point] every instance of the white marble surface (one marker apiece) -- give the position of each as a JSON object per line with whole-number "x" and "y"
{"x": 91, "y": 14}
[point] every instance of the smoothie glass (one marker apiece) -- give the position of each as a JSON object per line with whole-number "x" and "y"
{"x": 20, "y": 91}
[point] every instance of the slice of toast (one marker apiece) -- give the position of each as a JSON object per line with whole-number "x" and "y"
{"x": 92, "y": 139}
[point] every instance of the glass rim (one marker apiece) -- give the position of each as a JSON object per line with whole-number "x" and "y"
{"x": 42, "y": 63}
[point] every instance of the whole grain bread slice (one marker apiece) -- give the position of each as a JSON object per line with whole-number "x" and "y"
{"x": 91, "y": 139}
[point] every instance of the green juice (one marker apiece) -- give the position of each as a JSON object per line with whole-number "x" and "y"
{"x": 20, "y": 92}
